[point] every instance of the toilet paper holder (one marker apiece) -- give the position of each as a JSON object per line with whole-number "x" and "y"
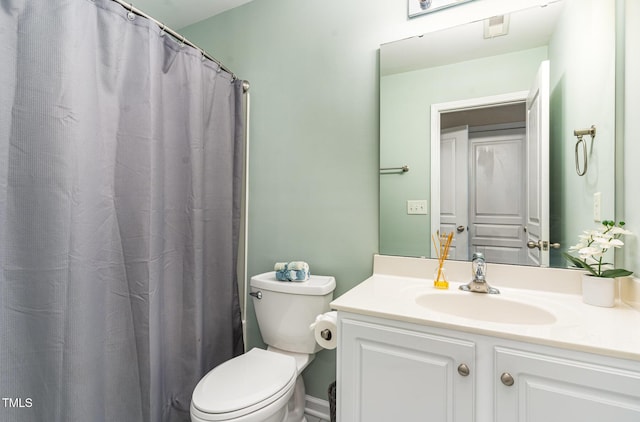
{"x": 325, "y": 329}
{"x": 326, "y": 334}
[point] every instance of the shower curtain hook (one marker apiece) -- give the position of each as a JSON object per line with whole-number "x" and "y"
{"x": 131, "y": 16}
{"x": 164, "y": 25}
{"x": 182, "y": 42}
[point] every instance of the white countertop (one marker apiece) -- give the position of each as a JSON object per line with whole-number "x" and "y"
{"x": 608, "y": 331}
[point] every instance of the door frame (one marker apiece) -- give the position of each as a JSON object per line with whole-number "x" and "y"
{"x": 436, "y": 111}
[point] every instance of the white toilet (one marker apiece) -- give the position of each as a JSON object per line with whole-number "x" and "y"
{"x": 266, "y": 385}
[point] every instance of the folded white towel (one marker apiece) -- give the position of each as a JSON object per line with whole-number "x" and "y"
{"x": 292, "y": 271}
{"x": 280, "y": 266}
{"x": 298, "y": 265}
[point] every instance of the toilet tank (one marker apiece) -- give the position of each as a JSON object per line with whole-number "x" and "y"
{"x": 286, "y": 309}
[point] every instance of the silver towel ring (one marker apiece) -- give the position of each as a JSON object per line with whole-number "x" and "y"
{"x": 582, "y": 142}
{"x": 580, "y": 134}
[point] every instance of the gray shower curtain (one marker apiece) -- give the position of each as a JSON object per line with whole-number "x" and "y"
{"x": 121, "y": 157}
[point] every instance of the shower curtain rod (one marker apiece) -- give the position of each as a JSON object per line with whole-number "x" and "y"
{"x": 181, "y": 38}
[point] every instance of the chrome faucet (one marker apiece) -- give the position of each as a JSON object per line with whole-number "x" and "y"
{"x": 479, "y": 283}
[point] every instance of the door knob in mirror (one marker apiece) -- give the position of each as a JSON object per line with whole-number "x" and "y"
{"x": 542, "y": 245}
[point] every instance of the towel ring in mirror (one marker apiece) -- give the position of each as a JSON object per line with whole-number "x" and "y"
{"x": 579, "y": 133}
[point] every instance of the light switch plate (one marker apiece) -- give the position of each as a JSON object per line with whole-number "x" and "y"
{"x": 597, "y": 207}
{"x": 417, "y": 206}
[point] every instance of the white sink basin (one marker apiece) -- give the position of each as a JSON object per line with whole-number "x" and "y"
{"x": 485, "y": 307}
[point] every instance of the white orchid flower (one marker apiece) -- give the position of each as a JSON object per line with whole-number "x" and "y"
{"x": 606, "y": 243}
{"x": 592, "y": 247}
{"x": 619, "y": 231}
{"x": 590, "y": 252}
{"x": 577, "y": 247}
{"x": 616, "y": 243}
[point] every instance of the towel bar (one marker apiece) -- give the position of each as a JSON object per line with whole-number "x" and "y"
{"x": 402, "y": 169}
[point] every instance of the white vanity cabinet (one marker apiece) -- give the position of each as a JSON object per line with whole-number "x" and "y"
{"x": 398, "y": 371}
{"x": 387, "y": 373}
{"x": 537, "y": 387}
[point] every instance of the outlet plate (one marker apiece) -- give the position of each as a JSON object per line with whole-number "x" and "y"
{"x": 597, "y": 207}
{"x": 417, "y": 207}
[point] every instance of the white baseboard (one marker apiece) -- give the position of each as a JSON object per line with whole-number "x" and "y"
{"x": 317, "y": 408}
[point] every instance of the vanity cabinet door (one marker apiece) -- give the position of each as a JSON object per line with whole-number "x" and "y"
{"x": 551, "y": 389}
{"x": 393, "y": 374}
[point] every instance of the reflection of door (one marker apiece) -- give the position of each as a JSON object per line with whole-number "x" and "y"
{"x": 453, "y": 189}
{"x": 497, "y": 193}
{"x": 537, "y": 199}
{"x": 468, "y": 105}
{"x": 537, "y": 173}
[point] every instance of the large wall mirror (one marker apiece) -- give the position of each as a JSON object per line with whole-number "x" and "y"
{"x": 482, "y": 116}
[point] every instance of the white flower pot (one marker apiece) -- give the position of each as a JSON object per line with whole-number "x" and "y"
{"x": 598, "y": 291}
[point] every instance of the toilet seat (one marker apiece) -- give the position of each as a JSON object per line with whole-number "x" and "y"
{"x": 244, "y": 385}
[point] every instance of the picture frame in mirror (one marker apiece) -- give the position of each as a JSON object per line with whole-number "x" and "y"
{"x": 421, "y": 7}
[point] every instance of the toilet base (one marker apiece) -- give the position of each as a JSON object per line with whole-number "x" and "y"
{"x": 296, "y": 403}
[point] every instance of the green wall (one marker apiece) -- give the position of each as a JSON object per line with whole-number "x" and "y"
{"x": 314, "y": 139}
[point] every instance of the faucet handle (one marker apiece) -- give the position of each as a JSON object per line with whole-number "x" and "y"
{"x": 478, "y": 255}
{"x": 478, "y": 267}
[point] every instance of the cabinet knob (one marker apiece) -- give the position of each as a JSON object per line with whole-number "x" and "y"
{"x": 506, "y": 379}
{"x": 463, "y": 370}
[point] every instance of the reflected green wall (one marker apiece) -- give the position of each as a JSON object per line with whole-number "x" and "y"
{"x": 405, "y": 131}
{"x": 582, "y": 94}
{"x": 630, "y": 122}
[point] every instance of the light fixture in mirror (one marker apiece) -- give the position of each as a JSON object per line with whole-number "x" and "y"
{"x": 420, "y": 7}
{"x": 446, "y": 70}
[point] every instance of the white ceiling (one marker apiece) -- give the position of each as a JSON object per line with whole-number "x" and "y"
{"x": 177, "y": 14}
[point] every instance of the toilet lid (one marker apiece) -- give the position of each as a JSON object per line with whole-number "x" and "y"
{"x": 258, "y": 376}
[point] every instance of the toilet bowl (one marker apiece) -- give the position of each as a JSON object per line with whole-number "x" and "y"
{"x": 266, "y": 385}
{"x": 254, "y": 387}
